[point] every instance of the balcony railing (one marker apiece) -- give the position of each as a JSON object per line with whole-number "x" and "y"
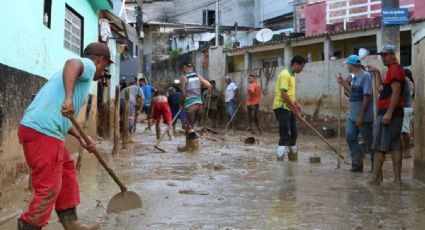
{"x": 337, "y": 10}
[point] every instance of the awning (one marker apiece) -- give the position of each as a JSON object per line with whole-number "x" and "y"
{"x": 101, "y": 4}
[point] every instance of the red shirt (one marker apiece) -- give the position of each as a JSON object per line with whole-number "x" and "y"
{"x": 254, "y": 94}
{"x": 395, "y": 73}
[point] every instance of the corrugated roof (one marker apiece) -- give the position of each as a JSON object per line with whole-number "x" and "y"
{"x": 302, "y": 38}
{"x": 287, "y": 39}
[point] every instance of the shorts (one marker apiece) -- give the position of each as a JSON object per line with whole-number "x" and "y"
{"x": 146, "y": 108}
{"x": 191, "y": 115}
{"x": 406, "y": 120}
{"x": 387, "y": 137}
{"x": 162, "y": 109}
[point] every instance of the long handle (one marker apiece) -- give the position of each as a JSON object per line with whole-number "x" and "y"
{"x": 320, "y": 135}
{"x": 233, "y": 116}
{"x": 338, "y": 165}
{"x": 168, "y": 127}
{"x": 98, "y": 156}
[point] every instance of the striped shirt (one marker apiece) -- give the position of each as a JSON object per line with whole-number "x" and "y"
{"x": 193, "y": 90}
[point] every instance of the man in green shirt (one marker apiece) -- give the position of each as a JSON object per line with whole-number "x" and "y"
{"x": 285, "y": 106}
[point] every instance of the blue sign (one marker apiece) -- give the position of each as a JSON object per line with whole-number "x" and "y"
{"x": 395, "y": 16}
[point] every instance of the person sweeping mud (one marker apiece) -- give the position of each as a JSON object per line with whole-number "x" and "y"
{"x": 360, "y": 120}
{"x": 161, "y": 108}
{"x": 191, "y": 101}
{"x": 285, "y": 106}
{"x": 42, "y": 132}
{"x": 388, "y": 125}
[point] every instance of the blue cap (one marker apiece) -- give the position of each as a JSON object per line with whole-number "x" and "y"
{"x": 353, "y": 60}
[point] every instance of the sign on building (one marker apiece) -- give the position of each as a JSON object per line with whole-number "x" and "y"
{"x": 395, "y": 16}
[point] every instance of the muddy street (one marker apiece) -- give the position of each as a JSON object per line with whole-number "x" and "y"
{"x": 232, "y": 185}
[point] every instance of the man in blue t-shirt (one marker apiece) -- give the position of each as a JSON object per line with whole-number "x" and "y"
{"x": 360, "y": 121}
{"x": 42, "y": 132}
{"x": 148, "y": 90}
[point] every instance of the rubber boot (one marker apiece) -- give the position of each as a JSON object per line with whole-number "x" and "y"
{"x": 69, "y": 221}
{"x": 191, "y": 143}
{"x": 293, "y": 153}
{"x": 22, "y": 225}
{"x": 358, "y": 165}
{"x": 378, "y": 162}
{"x": 397, "y": 162}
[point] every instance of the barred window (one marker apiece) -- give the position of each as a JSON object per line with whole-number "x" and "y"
{"x": 73, "y": 31}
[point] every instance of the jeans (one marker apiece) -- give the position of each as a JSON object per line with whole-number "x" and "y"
{"x": 352, "y": 134}
{"x": 253, "y": 114}
{"x": 287, "y": 127}
{"x": 231, "y": 109}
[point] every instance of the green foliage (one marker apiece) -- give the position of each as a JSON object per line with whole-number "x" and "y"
{"x": 175, "y": 53}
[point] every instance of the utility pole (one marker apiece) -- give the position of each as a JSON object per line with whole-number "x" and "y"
{"x": 294, "y": 17}
{"x": 139, "y": 21}
{"x": 391, "y": 33}
{"x": 217, "y": 23}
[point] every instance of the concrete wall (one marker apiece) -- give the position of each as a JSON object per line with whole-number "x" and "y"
{"x": 419, "y": 9}
{"x": 30, "y": 54}
{"x": 240, "y": 11}
{"x": 315, "y": 23}
{"x": 217, "y": 65}
{"x": 158, "y": 11}
{"x": 164, "y": 72}
{"x": 419, "y": 104}
{"x": 317, "y": 89}
{"x": 268, "y": 9}
{"x": 31, "y": 46}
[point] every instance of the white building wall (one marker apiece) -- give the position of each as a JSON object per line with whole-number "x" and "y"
{"x": 189, "y": 11}
{"x": 268, "y": 9}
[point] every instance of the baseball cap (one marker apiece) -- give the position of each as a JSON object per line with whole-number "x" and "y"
{"x": 98, "y": 49}
{"x": 187, "y": 63}
{"x": 387, "y": 49}
{"x": 353, "y": 60}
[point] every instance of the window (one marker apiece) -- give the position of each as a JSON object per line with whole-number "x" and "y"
{"x": 74, "y": 25}
{"x": 47, "y": 13}
{"x": 208, "y": 17}
{"x": 268, "y": 63}
{"x": 302, "y": 24}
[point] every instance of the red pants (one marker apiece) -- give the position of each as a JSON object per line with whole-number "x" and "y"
{"x": 54, "y": 178}
{"x": 162, "y": 109}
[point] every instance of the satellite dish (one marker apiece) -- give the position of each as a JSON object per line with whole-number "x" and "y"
{"x": 264, "y": 35}
{"x": 363, "y": 53}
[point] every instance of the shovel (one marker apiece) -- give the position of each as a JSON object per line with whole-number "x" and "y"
{"x": 320, "y": 135}
{"x": 231, "y": 119}
{"x": 165, "y": 132}
{"x": 123, "y": 201}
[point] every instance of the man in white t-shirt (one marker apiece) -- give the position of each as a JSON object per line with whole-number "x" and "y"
{"x": 231, "y": 97}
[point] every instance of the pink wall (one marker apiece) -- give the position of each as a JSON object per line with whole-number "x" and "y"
{"x": 315, "y": 20}
{"x": 419, "y": 9}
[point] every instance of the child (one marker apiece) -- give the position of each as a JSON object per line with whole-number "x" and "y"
{"x": 162, "y": 109}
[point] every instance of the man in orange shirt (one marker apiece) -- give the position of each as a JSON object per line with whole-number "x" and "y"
{"x": 253, "y": 103}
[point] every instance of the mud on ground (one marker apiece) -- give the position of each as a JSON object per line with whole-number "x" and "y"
{"x": 231, "y": 185}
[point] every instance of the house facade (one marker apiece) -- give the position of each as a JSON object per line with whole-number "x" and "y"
{"x": 41, "y": 36}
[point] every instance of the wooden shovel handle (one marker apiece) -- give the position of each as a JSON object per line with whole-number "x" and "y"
{"x": 320, "y": 135}
{"x": 98, "y": 156}
{"x": 166, "y": 130}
